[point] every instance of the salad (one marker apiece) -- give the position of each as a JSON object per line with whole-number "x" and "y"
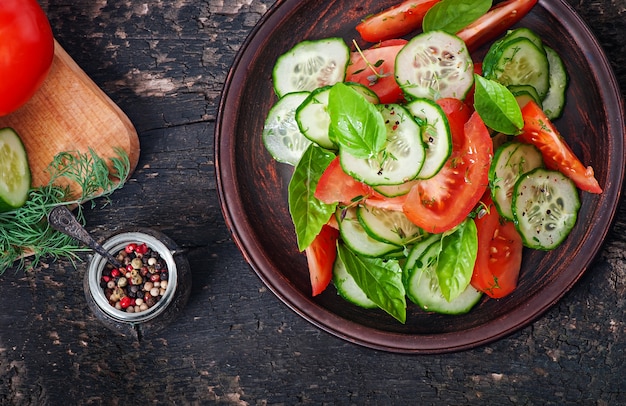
{"x": 420, "y": 172}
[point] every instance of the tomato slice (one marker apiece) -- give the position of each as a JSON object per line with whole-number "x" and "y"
{"x": 440, "y": 203}
{"x": 395, "y": 21}
{"x": 320, "y": 257}
{"x": 493, "y": 24}
{"x": 499, "y": 256}
{"x": 337, "y": 186}
{"x": 557, "y": 155}
{"x": 382, "y": 58}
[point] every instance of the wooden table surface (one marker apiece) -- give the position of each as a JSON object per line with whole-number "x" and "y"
{"x": 164, "y": 63}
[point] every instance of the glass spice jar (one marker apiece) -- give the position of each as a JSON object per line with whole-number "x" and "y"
{"x": 165, "y": 305}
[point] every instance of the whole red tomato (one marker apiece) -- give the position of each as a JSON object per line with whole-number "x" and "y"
{"x": 26, "y": 51}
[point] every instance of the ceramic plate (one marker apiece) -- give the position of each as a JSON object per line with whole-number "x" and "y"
{"x": 253, "y": 188}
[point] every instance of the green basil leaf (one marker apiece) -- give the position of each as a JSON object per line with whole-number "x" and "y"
{"x": 456, "y": 259}
{"x": 452, "y": 16}
{"x": 307, "y": 212}
{"x": 497, "y": 106}
{"x": 381, "y": 280}
{"x": 356, "y": 124}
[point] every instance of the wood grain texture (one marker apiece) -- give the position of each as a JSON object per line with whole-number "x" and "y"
{"x": 235, "y": 343}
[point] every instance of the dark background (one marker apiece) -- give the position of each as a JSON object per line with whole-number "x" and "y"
{"x": 164, "y": 63}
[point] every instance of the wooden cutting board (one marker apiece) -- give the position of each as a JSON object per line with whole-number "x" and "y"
{"x": 70, "y": 113}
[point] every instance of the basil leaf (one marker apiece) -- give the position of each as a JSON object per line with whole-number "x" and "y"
{"x": 452, "y": 16}
{"x": 456, "y": 259}
{"x": 307, "y": 212}
{"x": 497, "y": 106}
{"x": 356, "y": 124}
{"x": 380, "y": 280}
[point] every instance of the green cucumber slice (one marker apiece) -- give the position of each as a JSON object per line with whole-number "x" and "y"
{"x": 281, "y": 135}
{"x": 525, "y": 93}
{"x": 518, "y": 62}
{"x": 422, "y": 287}
{"x": 15, "y": 174}
{"x": 356, "y": 238}
{"x": 347, "y": 287}
{"x": 545, "y": 208}
{"x": 402, "y": 157}
{"x": 311, "y": 64}
{"x": 435, "y": 65}
{"x": 435, "y": 134}
{"x": 389, "y": 226}
{"x": 510, "y": 161}
{"x": 554, "y": 101}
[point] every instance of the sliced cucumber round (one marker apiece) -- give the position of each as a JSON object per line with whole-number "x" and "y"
{"x": 435, "y": 65}
{"x": 389, "y": 226}
{"x": 545, "y": 208}
{"x": 422, "y": 287}
{"x": 347, "y": 287}
{"x": 15, "y": 174}
{"x": 525, "y": 93}
{"x": 554, "y": 101}
{"x": 281, "y": 135}
{"x": 435, "y": 134}
{"x": 510, "y": 161}
{"x": 416, "y": 252}
{"x": 356, "y": 238}
{"x": 311, "y": 64}
{"x": 402, "y": 158}
{"x": 395, "y": 190}
{"x": 524, "y": 32}
{"x": 518, "y": 62}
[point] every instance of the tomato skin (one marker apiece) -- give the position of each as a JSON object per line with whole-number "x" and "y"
{"x": 395, "y": 21}
{"x": 499, "y": 257}
{"x": 320, "y": 257}
{"x": 493, "y": 24}
{"x": 26, "y": 52}
{"x": 442, "y": 202}
{"x": 557, "y": 155}
{"x": 386, "y": 87}
{"x": 337, "y": 186}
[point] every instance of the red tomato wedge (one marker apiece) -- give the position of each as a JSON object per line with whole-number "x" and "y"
{"x": 493, "y": 24}
{"x": 440, "y": 203}
{"x": 320, "y": 257}
{"x": 395, "y": 21}
{"x": 337, "y": 186}
{"x": 382, "y": 59}
{"x": 499, "y": 256}
{"x": 557, "y": 155}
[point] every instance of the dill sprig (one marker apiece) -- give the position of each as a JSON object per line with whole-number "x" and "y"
{"x": 26, "y": 232}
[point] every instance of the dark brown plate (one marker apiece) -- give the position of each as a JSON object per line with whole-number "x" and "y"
{"x": 253, "y": 188}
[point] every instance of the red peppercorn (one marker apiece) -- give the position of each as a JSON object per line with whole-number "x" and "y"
{"x": 115, "y": 273}
{"x": 155, "y": 277}
{"x": 125, "y": 302}
{"x": 130, "y": 247}
{"x": 141, "y": 249}
{"x": 106, "y": 278}
{"x": 129, "y": 267}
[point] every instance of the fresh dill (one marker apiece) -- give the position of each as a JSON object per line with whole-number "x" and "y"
{"x": 25, "y": 232}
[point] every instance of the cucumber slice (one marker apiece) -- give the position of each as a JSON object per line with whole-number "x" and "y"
{"x": 525, "y": 93}
{"x": 435, "y": 65}
{"x": 395, "y": 190}
{"x": 347, "y": 287}
{"x": 311, "y": 64}
{"x": 281, "y": 134}
{"x": 15, "y": 174}
{"x": 524, "y": 32}
{"x": 554, "y": 101}
{"x": 435, "y": 134}
{"x": 313, "y": 118}
{"x": 389, "y": 226}
{"x": 416, "y": 252}
{"x": 518, "y": 62}
{"x": 422, "y": 287}
{"x": 357, "y": 239}
{"x": 545, "y": 207}
{"x": 510, "y": 161}
{"x": 402, "y": 158}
